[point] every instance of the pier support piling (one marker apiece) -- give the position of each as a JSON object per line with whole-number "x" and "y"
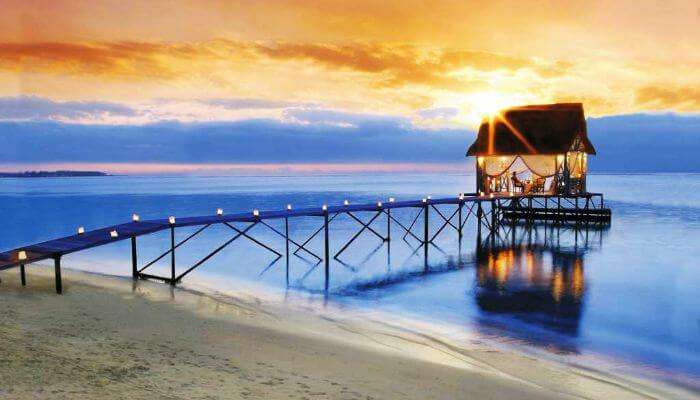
{"x": 426, "y": 234}
{"x": 172, "y": 255}
{"x": 326, "y": 250}
{"x": 22, "y": 275}
{"x": 134, "y": 261}
{"x": 426, "y": 238}
{"x": 286, "y": 247}
{"x": 388, "y": 225}
{"x": 57, "y": 274}
{"x": 459, "y": 225}
{"x": 479, "y": 215}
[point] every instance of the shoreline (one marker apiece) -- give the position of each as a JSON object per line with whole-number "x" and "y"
{"x": 253, "y": 348}
{"x": 456, "y": 336}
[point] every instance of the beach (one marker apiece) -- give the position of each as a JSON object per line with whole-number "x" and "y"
{"x": 110, "y": 337}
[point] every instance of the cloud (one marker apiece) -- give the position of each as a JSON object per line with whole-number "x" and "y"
{"x": 249, "y": 141}
{"x": 392, "y": 65}
{"x": 122, "y": 59}
{"x": 36, "y": 108}
{"x": 661, "y": 142}
{"x": 251, "y": 103}
{"x": 668, "y": 97}
{"x": 343, "y": 119}
{"x": 438, "y": 113}
{"x": 406, "y": 64}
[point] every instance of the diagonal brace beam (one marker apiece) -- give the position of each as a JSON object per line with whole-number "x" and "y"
{"x": 447, "y": 220}
{"x": 197, "y": 232}
{"x": 364, "y": 226}
{"x": 254, "y": 240}
{"x": 213, "y": 253}
{"x": 468, "y": 213}
{"x": 408, "y": 231}
{"x": 299, "y": 246}
{"x": 444, "y": 225}
{"x": 410, "y": 227}
{"x": 313, "y": 235}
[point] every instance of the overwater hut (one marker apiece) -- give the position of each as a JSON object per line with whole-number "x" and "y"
{"x": 533, "y": 149}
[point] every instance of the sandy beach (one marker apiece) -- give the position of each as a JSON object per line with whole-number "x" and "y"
{"x": 109, "y": 337}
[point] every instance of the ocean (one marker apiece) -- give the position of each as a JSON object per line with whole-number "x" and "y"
{"x": 627, "y": 294}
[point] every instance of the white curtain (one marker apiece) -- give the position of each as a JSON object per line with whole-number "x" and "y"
{"x": 496, "y": 165}
{"x": 541, "y": 165}
{"x": 577, "y": 163}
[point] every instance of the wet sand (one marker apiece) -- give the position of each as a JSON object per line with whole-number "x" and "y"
{"x": 109, "y": 337}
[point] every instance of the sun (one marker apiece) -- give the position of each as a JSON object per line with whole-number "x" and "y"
{"x": 487, "y": 104}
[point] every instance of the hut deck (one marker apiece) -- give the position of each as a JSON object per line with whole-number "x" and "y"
{"x": 554, "y": 214}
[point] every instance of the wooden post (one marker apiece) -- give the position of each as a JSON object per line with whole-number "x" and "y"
{"x": 286, "y": 239}
{"x": 425, "y": 224}
{"x": 388, "y": 225}
{"x": 326, "y": 249}
{"x": 479, "y": 215}
{"x": 426, "y": 235}
{"x": 459, "y": 226}
{"x": 22, "y": 275}
{"x": 57, "y": 274}
{"x": 134, "y": 261}
{"x": 172, "y": 255}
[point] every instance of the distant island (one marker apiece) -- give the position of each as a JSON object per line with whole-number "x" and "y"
{"x": 51, "y": 174}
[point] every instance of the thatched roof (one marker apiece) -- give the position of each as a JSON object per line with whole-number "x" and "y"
{"x": 540, "y": 129}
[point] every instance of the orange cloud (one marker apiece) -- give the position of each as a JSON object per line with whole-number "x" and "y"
{"x": 404, "y": 64}
{"x": 668, "y": 97}
{"x": 393, "y": 65}
{"x": 140, "y": 60}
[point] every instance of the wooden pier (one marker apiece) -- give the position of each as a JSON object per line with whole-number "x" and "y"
{"x": 489, "y": 211}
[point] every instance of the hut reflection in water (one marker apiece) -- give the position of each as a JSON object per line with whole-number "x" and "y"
{"x": 535, "y": 276}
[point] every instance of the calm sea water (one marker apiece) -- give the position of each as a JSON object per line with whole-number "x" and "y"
{"x": 630, "y": 292}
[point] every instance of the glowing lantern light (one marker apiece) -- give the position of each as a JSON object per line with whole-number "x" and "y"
{"x": 391, "y": 199}
{"x": 346, "y": 203}
{"x": 219, "y": 211}
{"x": 171, "y": 220}
{"x": 81, "y": 230}
{"x": 135, "y": 218}
{"x": 289, "y": 207}
{"x": 256, "y": 213}
{"x": 21, "y": 255}
{"x": 113, "y": 234}
{"x": 379, "y": 204}
{"x": 324, "y": 207}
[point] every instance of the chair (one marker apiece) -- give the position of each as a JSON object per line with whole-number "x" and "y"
{"x": 517, "y": 183}
{"x": 538, "y": 185}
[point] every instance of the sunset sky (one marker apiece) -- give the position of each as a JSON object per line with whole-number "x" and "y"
{"x": 431, "y": 66}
